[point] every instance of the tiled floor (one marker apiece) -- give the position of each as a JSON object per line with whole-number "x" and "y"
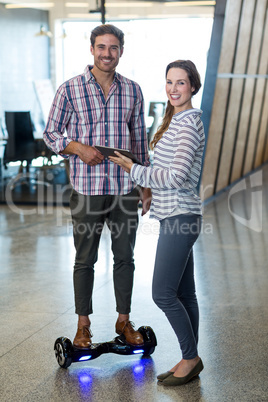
{"x": 36, "y": 307}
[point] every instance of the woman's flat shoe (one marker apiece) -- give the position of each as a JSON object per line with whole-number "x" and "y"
{"x": 163, "y": 376}
{"x": 171, "y": 380}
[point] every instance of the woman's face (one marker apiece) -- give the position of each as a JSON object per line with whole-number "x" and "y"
{"x": 178, "y": 89}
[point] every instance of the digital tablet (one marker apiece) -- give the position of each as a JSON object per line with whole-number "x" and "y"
{"x": 108, "y": 151}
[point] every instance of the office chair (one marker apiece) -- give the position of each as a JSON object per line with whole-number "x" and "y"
{"x": 21, "y": 144}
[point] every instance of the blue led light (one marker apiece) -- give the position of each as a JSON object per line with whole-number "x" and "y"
{"x": 138, "y": 370}
{"x": 138, "y": 351}
{"x": 85, "y": 380}
{"x": 84, "y": 358}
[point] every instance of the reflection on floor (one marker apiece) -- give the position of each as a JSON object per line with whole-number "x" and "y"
{"x": 45, "y": 185}
{"x": 36, "y": 307}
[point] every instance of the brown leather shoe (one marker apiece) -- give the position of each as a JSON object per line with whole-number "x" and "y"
{"x": 83, "y": 337}
{"x": 127, "y": 329}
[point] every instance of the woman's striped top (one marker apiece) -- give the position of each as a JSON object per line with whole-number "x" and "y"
{"x": 175, "y": 173}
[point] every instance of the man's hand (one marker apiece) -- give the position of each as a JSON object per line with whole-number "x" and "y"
{"x": 89, "y": 155}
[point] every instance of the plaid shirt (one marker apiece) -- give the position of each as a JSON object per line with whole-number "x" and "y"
{"x": 80, "y": 108}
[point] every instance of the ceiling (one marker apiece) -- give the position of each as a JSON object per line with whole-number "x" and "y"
{"x": 117, "y": 9}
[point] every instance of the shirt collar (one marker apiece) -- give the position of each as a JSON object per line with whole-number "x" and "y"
{"x": 89, "y": 76}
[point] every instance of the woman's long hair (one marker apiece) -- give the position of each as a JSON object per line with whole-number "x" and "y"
{"x": 194, "y": 79}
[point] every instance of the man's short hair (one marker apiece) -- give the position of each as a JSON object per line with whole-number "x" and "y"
{"x": 107, "y": 29}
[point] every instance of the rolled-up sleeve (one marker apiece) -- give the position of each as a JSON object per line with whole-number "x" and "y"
{"x": 59, "y": 115}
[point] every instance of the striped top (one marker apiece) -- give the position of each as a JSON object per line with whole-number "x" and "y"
{"x": 80, "y": 108}
{"x": 176, "y": 168}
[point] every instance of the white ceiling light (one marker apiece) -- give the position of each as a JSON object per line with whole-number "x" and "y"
{"x": 63, "y": 35}
{"x": 130, "y": 4}
{"x": 74, "y": 5}
{"x": 43, "y": 32}
{"x": 190, "y": 3}
{"x": 30, "y": 5}
{"x": 129, "y": 16}
{"x": 83, "y": 15}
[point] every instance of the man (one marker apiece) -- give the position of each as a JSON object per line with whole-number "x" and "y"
{"x": 101, "y": 107}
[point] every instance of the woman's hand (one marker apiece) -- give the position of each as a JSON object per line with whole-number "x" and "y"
{"x": 121, "y": 160}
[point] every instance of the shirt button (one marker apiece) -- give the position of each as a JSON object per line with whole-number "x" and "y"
{"x": 106, "y": 141}
{"x": 106, "y": 123}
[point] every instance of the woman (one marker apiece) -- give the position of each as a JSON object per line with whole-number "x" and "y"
{"x": 178, "y": 148}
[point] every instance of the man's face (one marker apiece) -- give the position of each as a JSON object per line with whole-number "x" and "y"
{"x": 106, "y": 52}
